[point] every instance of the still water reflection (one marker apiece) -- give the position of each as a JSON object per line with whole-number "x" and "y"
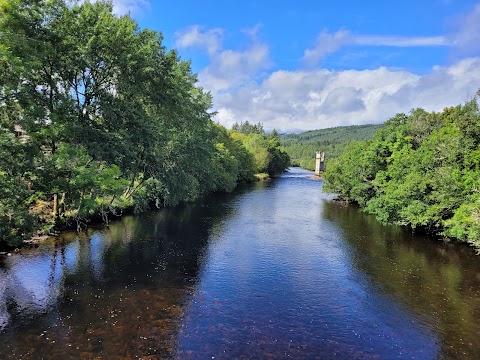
{"x": 275, "y": 270}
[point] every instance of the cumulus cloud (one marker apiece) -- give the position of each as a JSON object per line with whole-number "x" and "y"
{"x": 197, "y": 37}
{"x": 231, "y": 68}
{"x": 245, "y": 88}
{"x": 228, "y": 68}
{"x": 252, "y": 33}
{"x": 293, "y": 101}
{"x": 343, "y": 100}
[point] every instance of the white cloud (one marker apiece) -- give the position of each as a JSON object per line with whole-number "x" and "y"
{"x": 303, "y": 100}
{"x": 197, "y": 37}
{"x": 307, "y": 99}
{"x": 328, "y": 43}
{"x": 464, "y": 39}
{"x": 252, "y": 33}
{"x": 228, "y": 68}
{"x": 343, "y": 100}
{"x": 467, "y": 38}
{"x": 122, "y": 7}
{"x": 400, "y": 41}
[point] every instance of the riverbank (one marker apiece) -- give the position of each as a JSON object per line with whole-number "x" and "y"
{"x": 421, "y": 170}
{"x": 114, "y": 214}
{"x": 421, "y": 230}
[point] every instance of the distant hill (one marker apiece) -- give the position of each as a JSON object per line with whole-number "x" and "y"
{"x": 302, "y": 147}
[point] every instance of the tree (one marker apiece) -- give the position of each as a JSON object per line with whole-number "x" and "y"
{"x": 107, "y": 118}
{"x": 420, "y": 170}
{"x": 247, "y": 128}
{"x": 269, "y": 156}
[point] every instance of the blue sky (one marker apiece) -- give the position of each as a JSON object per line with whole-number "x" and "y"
{"x": 300, "y": 65}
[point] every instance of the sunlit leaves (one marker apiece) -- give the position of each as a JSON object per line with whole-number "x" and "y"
{"x": 96, "y": 116}
{"x": 424, "y": 172}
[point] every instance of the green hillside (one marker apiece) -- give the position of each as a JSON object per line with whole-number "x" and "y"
{"x": 302, "y": 147}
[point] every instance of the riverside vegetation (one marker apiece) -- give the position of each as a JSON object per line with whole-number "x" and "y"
{"x": 97, "y": 116}
{"x": 420, "y": 170}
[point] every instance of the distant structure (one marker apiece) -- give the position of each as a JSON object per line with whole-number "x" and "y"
{"x": 21, "y": 134}
{"x": 320, "y": 162}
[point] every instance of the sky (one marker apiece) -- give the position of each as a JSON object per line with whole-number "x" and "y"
{"x": 304, "y": 65}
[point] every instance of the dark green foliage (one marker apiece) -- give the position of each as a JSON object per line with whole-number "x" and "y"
{"x": 279, "y": 159}
{"x": 420, "y": 170}
{"x": 247, "y": 128}
{"x": 97, "y": 116}
{"x": 15, "y": 220}
{"x": 302, "y": 147}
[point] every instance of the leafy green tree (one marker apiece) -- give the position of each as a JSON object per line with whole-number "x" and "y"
{"x": 269, "y": 156}
{"x": 96, "y": 115}
{"x": 420, "y": 170}
{"x": 16, "y": 222}
{"x": 233, "y": 142}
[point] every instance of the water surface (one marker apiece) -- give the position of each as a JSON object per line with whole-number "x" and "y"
{"x": 275, "y": 270}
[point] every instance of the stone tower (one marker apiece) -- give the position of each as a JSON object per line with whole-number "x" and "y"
{"x": 320, "y": 162}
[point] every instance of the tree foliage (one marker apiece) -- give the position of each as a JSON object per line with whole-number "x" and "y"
{"x": 420, "y": 170}
{"x": 247, "y": 128}
{"x": 268, "y": 155}
{"x": 96, "y": 115}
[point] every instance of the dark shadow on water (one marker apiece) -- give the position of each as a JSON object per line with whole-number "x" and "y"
{"x": 438, "y": 281}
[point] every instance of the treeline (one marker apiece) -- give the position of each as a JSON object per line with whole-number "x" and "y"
{"x": 96, "y": 116}
{"x": 302, "y": 147}
{"x": 269, "y": 156}
{"x": 420, "y": 170}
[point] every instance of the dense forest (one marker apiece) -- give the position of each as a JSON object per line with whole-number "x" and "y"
{"x": 421, "y": 170}
{"x": 97, "y": 116}
{"x": 302, "y": 147}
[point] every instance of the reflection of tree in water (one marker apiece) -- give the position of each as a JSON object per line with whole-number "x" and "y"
{"x": 123, "y": 289}
{"x": 439, "y": 282}
{"x": 4, "y": 314}
{"x": 24, "y": 289}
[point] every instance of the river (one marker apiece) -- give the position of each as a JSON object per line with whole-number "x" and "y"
{"x": 274, "y": 270}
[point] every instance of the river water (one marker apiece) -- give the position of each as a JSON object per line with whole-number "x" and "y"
{"x": 274, "y": 270}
